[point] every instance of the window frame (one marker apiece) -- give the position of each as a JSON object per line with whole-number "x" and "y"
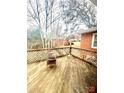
{"x": 93, "y": 39}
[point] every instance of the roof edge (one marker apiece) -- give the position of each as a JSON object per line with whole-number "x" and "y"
{"x": 90, "y": 30}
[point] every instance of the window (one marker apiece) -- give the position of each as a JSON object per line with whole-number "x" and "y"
{"x": 94, "y": 41}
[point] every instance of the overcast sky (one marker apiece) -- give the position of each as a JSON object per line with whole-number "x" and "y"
{"x": 58, "y": 25}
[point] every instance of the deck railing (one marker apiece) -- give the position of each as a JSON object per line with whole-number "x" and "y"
{"x": 37, "y": 55}
{"x": 85, "y": 54}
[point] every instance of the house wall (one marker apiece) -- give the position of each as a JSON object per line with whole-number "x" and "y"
{"x": 86, "y": 41}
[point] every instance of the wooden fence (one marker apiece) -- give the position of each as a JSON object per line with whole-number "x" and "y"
{"x": 85, "y": 55}
{"x": 37, "y": 55}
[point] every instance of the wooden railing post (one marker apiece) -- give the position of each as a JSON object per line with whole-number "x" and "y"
{"x": 70, "y": 50}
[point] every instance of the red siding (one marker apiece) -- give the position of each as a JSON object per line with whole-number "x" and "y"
{"x": 86, "y": 41}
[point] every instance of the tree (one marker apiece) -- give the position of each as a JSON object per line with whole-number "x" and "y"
{"x": 59, "y": 18}
{"x": 40, "y": 15}
{"x": 33, "y": 14}
{"x": 76, "y": 12}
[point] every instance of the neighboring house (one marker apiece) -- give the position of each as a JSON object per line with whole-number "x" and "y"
{"x": 89, "y": 39}
{"x": 75, "y": 43}
{"x": 59, "y": 42}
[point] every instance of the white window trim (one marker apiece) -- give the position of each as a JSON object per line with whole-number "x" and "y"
{"x": 93, "y": 36}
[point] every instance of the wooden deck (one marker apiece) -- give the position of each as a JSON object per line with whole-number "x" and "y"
{"x": 71, "y": 75}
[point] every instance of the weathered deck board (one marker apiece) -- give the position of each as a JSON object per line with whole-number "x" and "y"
{"x": 69, "y": 76}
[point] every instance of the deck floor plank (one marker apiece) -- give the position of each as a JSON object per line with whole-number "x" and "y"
{"x": 69, "y": 76}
